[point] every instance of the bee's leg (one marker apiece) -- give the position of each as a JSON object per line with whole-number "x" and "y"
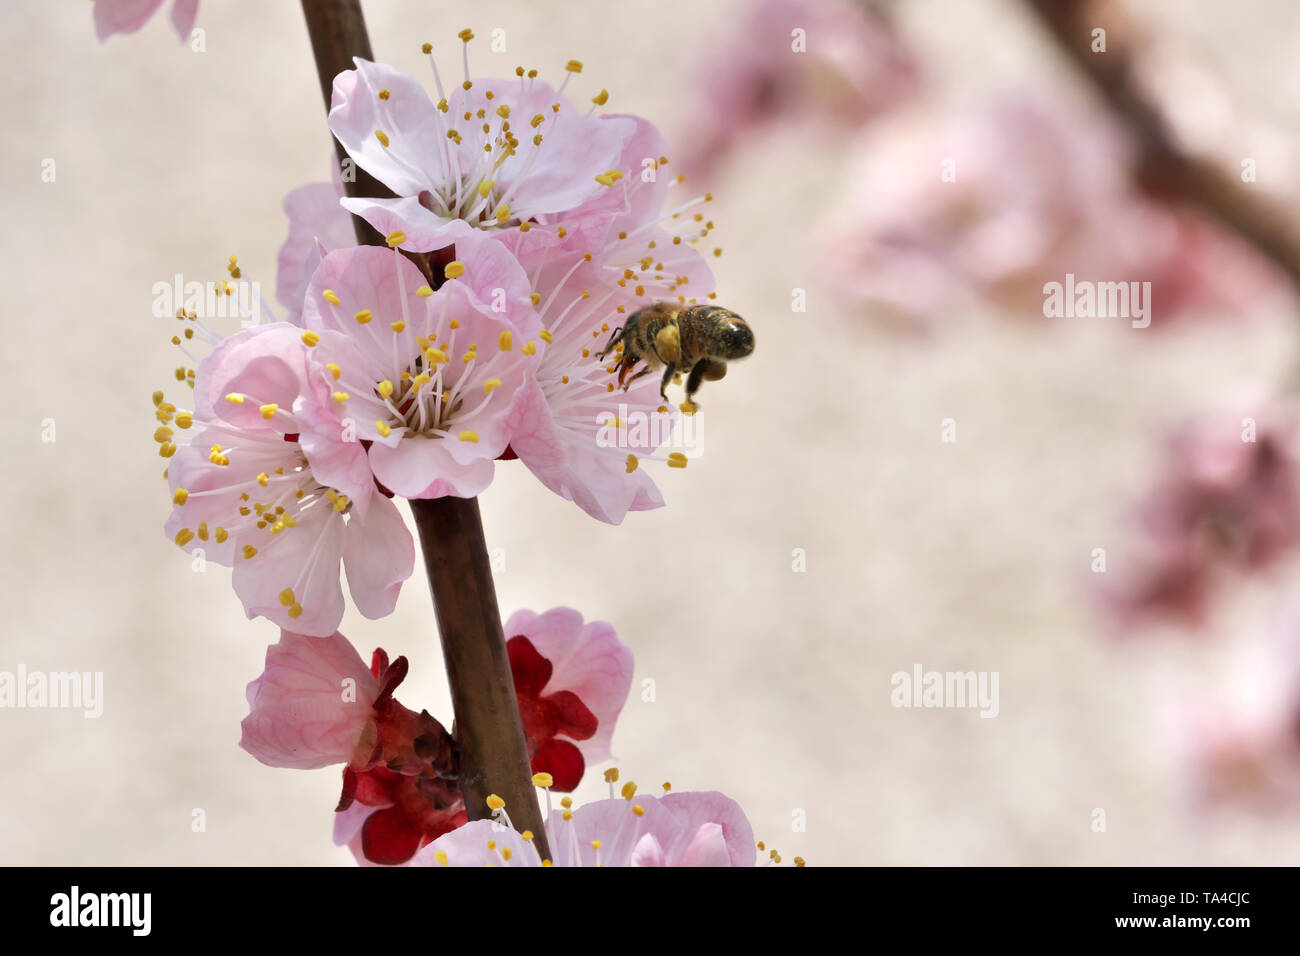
{"x": 644, "y": 371}
{"x": 669, "y": 371}
{"x": 706, "y": 370}
{"x": 615, "y": 337}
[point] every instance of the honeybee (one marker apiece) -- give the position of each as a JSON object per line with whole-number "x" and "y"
{"x": 696, "y": 339}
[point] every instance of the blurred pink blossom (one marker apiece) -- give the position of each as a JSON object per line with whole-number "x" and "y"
{"x": 997, "y": 202}
{"x": 128, "y": 16}
{"x": 1236, "y": 735}
{"x": 793, "y": 62}
{"x": 1227, "y": 497}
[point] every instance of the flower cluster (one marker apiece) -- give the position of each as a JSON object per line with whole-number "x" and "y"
{"x": 316, "y": 704}
{"x": 521, "y": 233}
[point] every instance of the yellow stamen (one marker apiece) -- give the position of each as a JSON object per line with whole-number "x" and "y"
{"x": 632, "y": 462}
{"x": 364, "y": 316}
{"x": 395, "y": 238}
{"x": 454, "y": 269}
{"x": 381, "y": 136}
{"x": 180, "y": 497}
{"x": 268, "y": 411}
{"x": 543, "y": 780}
{"x": 505, "y": 341}
{"x": 329, "y": 296}
{"x": 469, "y": 436}
{"x": 494, "y": 802}
{"x": 490, "y": 384}
{"x": 184, "y": 536}
{"x": 310, "y": 338}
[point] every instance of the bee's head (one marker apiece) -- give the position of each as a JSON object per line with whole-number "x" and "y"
{"x": 737, "y": 338}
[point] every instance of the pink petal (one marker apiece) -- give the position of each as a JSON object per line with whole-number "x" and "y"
{"x": 378, "y": 555}
{"x": 184, "y": 13}
{"x": 468, "y": 846}
{"x": 413, "y": 159}
{"x": 311, "y": 704}
{"x": 315, "y": 219}
{"x": 122, "y": 16}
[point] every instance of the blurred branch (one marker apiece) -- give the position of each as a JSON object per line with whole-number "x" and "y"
{"x": 1163, "y": 169}
{"x": 489, "y": 731}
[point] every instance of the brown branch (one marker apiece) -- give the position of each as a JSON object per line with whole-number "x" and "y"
{"x": 1164, "y": 170}
{"x": 488, "y": 729}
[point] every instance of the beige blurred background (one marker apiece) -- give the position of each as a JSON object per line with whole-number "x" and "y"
{"x": 772, "y": 686}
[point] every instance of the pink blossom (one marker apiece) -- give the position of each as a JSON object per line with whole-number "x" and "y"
{"x": 435, "y": 380}
{"x": 851, "y": 69}
{"x": 538, "y": 156}
{"x": 128, "y": 16}
{"x": 312, "y": 706}
{"x": 680, "y": 829}
{"x": 1228, "y": 496}
{"x": 1234, "y": 736}
{"x": 998, "y": 202}
{"x": 272, "y": 483}
{"x": 571, "y": 681}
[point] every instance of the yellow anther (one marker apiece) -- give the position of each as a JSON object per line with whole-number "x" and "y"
{"x": 611, "y": 775}
{"x": 399, "y": 326}
{"x": 601, "y": 98}
{"x": 629, "y": 790}
{"x": 543, "y": 780}
{"x": 157, "y": 399}
{"x": 364, "y": 316}
{"x": 638, "y": 810}
{"x": 524, "y": 227}
{"x": 567, "y": 815}
{"x": 184, "y": 536}
{"x": 384, "y": 388}
{"x": 435, "y": 356}
{"x": 162, "y": 433}
{"x": 268, "y": 410}
{"x": 440, "y": 855}
{"x": 453, "y": 324}
{"x": 537, "y": 121}
{"x": 505, "y": 341}
{"x": 504, "y": 112}
{"x": 180, "y": 496}
{"x": 537, "y": 298}
{"x": 526, "y": 835}
{"x": 676, "y": 460}
{"x": 632, "y": 462}
{"x": 610, "y": 177}
{"x": 221, "y": 535}
{"x": 381, "y": 136}
{"x": 573, "y": 66}
{"x": 506, "y": 853}
{"x": 310, "y": 339}
{"x": 494, "y": 802}
{"x": 528, "y": 348}
{"x": 341, "y": 397}
{"x": 688, "y": 407}
{"x": 490, "y": 384}
{"x": 667, "y": 786}
{"x": 287, "y": 598}
{"x": 235, "y": 398}
{"x": 546, "y": 336}
{"x": 466, "y": 35}
{"x": 485, "y": 187}
{"x": 454, "y": 269}
{"x": 263, "y": 479}
{"x": 800, "y": 861}
{"x": 395, "y": 238}
{"x": 503, "y": 213}
{"x": 424, "y": 292}
{"x": 547, "y": 863}
{"x": 420, "y": 380}
{"x": 329, "y": 296}
{"x": 334, "y": 370}
{"x": 383, "y": 428}
{"x": 295, "y": 611}
{"x": 426, "y": 48}
{"x": 384, "y": 93}
{"x": 469, "y": 436}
